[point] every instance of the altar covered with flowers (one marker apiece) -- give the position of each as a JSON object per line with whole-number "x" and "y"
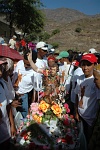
{"x": 49, "y": 124}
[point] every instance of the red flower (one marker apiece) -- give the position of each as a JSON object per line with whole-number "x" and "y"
{"x": 66, "y": 122}
{"x": 67, "y": 108}
{"x": 71, "y": 116}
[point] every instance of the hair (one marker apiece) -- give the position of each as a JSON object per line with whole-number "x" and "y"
{"x": 54, "y": 65}
{"x": 10, "y": 64}
{"x": 34, "y": 54}
{"x": 97, "y": 68}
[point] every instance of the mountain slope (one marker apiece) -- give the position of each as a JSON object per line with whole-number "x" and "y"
{"x": 67, "y": 21}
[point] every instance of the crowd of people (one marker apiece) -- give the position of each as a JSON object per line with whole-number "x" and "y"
{"x": 21, "y": 84}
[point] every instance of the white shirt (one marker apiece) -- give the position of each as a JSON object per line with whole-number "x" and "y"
{"x": 42, "y": 64}
{"x": 78, "y": 72}
{"x": 4, "y": 122}
{"x": 26, "y": 83}
{"x": 12, "y": 43}
{"x": 90, "y": 103}
{"x": 68, "y": 69}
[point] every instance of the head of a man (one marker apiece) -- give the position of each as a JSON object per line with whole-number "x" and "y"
{"x": 14, "y": 37}
{"x": 63, "y": 57}
{"x": 34, "y": 57}
{"x": 87, "y": 64}
{"x": 96, "y": 73}
{"x": 42, "y": 49}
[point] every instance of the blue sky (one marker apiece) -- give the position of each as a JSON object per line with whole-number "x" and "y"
{"x": 89, "y": 7}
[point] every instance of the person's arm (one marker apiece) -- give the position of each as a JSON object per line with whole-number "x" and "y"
{"x": 76, "y": 109}
{"x": 34, "y": 67}
{"x": 11, "y": 119}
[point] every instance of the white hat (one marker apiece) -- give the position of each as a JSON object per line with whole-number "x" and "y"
{"x": 14, "y": 36}
{"x": 92, "y": 50}
{"x": 42, "y": 45}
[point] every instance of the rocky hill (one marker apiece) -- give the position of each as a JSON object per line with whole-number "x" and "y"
{"x": 78, "y": 31}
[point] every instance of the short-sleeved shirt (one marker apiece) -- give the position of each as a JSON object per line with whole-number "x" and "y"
{"x": 78, "y": 72}
{"x": 68, "y": 69}
{"x": 90, "y": 103}
{"x": 26, "y": 81}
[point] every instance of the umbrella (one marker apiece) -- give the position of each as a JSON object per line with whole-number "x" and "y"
{"x": 6, "y": 51}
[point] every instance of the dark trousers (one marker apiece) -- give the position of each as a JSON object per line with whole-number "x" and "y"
{"x": 88, "y": 130}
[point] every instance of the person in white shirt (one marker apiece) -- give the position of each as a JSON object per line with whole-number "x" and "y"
{"x": 77, "y": 72}
{"x": 24, "y": 81}
{"x": 12, "y": 42}
{"x": 86, "y": 99}
{"x": 65, "y": 68}
{"x": 42, "y": 50}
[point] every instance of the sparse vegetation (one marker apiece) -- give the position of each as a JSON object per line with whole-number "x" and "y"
{"x": 78, "y": 30}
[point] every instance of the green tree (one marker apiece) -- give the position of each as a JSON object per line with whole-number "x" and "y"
{"x": 24, "y": 14}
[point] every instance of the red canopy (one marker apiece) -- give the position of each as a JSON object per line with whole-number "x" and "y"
{"x": 6, "y": 51}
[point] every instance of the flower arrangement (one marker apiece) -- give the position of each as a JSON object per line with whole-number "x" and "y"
{"x": 49, "y": 125}
{"x": 34, "y": 130}
{"x": 43, "y": 111}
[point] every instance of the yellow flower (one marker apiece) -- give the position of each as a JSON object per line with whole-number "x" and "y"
{"x": 43, "y": 106}
{"x": 56, "y": 109}
{"x": 37, "y": 118}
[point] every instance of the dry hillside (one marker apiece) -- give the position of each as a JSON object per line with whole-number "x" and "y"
{"x": 67, "y": 21}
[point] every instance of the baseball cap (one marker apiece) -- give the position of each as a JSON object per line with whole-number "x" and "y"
{"x": 92, "y": 50}
{"x": 62, "y": 54}
{"x": 75, "y": 63}
{"x": 89, "y": 57}
{"x": 42, "y": 45}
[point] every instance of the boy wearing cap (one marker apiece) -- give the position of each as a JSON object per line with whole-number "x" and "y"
{"x": 86, "y": 99}
{"x": 65, "y": 67}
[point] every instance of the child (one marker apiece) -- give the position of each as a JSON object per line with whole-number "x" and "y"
{"x": 86, "y": 99}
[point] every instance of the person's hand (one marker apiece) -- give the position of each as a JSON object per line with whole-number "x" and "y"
{"x": 46, "y": 72}
{"x": 13, "y": 130}
{"x": 29, "y": 56}
{"x": 16, "y": 103}
{"x": 62, "y": 88}
{"x": 77, "y": 116}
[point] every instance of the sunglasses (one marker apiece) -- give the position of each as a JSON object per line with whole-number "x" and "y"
{"x": 46, "y": 45}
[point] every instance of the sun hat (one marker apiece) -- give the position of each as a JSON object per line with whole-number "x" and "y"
{"x": 92, "y": 50}
{"x": 89, "y": 57}
{"x": 62, "y": 54}
{"x": 42, "y": 45}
